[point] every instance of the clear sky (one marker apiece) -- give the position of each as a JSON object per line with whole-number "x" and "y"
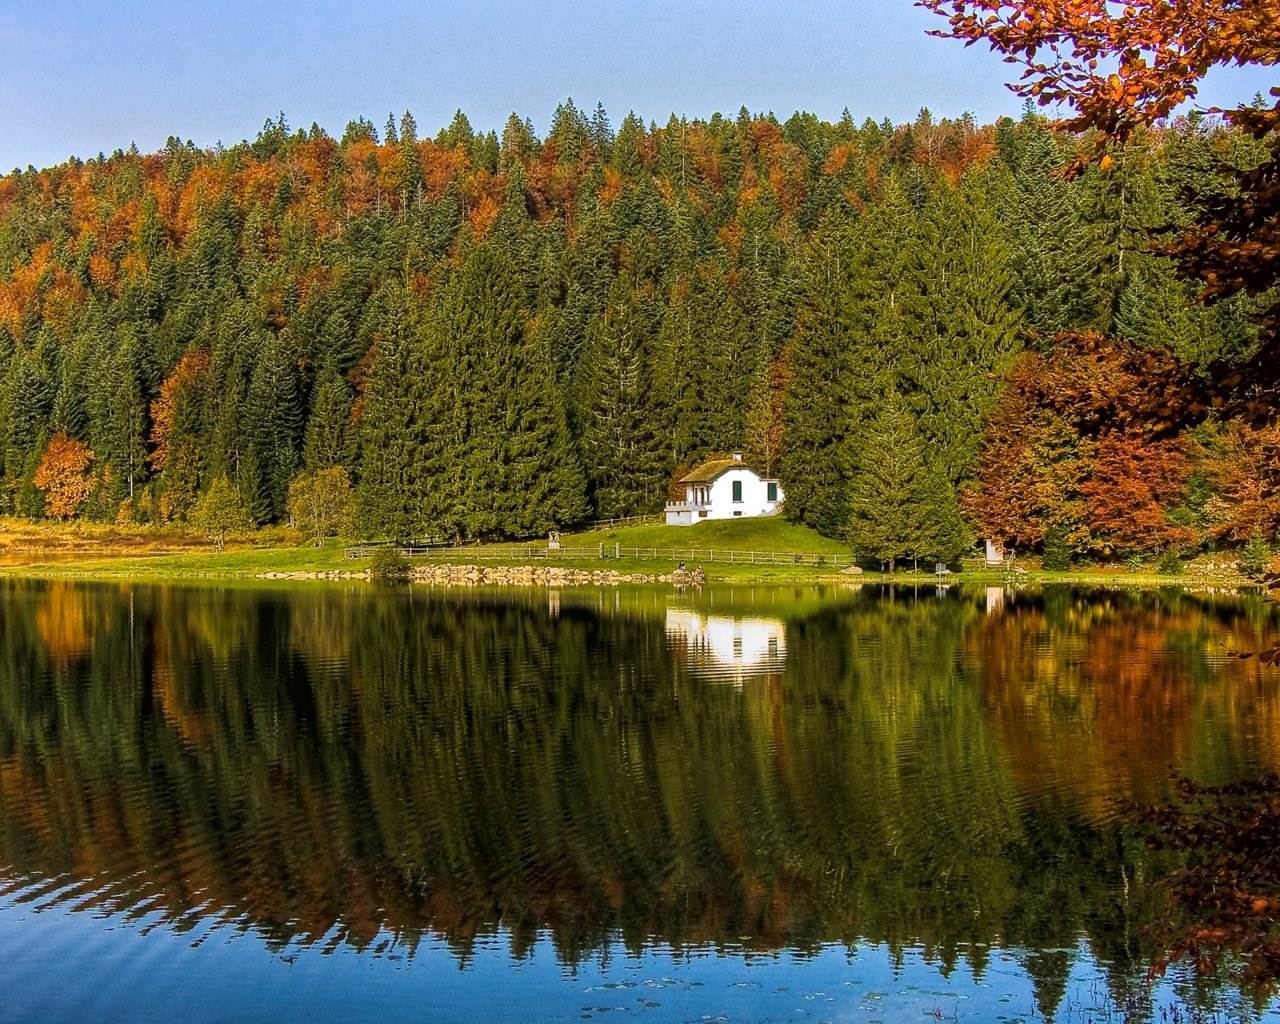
{"x": 83, "y": 76}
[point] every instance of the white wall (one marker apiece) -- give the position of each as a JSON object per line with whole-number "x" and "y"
{"x": 755, "y": 501}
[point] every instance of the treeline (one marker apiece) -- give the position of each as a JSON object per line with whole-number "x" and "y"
{"x": 497, "y": 335}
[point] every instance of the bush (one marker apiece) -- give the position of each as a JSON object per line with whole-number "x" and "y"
{"x": 1255, "y": 556}
{"x": 389, "y": 566}
{"x": 1057, "y": 552}
{"x": 1169, "y": 564}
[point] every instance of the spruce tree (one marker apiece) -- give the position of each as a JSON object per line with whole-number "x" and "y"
{"x": 522, "y": 477}
{"x": 815, "y": 401}
{"x": 960, "y": 331}
{"x": 389, "y": 493}
{"x": 888, "y": 507}
{"x": 621, "y": 452}
{"x": 1055, "y": 258}
{"x": 273, "y": 424}
{"x": 325, "y": 440}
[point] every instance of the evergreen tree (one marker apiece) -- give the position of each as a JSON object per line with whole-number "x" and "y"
{"x": 325, "y": 441}
{"x": 273, "y": 422}
{"x": 27, "y": 402}
{"x": 961, "y": 333}
{"x": 815, "y": 402}
{"x": 625, "y": 465}
{"x": 389, "y": 491}
{"x": 888, "y": 507}
{"x": 522, "y": 477}
{"x": 1055, "y": 258}
{"x": 118, "y": 417}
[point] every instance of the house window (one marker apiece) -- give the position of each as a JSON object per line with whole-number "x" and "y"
{"x": 737, "y": 490}
{"x": 773, "y": 490}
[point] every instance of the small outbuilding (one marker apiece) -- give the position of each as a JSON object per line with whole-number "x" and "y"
{"x": 724, "y": 489}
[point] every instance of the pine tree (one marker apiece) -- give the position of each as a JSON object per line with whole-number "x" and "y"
{"x": 27, "y": 402}
{"x": 118, "y": 420}
{"x": 815, "y": 403}
{"x": 389, "y": 492}
{"x": 522, "y": 477}
{"x": 325, "y": 441}
{"x": 961, "y": 330}
{"x": 273, "y": 422}
{"x": 888, "y": 511}
{"x": 1055, "y": 257}
{"x": 621, "y": 452}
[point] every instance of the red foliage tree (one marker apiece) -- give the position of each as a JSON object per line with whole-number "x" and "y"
{"x": 1043, "y": 469}
{"x": 1133, "y": 480}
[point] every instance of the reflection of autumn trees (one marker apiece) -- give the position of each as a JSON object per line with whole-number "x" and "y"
{"x": 1098, "y": 696}
{"x": 327, "y": 765}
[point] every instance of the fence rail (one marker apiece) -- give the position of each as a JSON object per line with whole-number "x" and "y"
{"x": 690, "y": 556}
{"x": 605, "y": 524}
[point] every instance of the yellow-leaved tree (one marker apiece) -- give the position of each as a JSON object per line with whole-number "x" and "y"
{"x": 63, "y": 475}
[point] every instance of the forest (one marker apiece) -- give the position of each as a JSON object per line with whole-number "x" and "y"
{"x": 924, "y": 330}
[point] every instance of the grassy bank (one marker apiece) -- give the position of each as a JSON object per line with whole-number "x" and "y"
{"x": 85, "y": 551}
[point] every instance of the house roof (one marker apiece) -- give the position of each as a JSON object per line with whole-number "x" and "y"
{"x": 711, "y": 469}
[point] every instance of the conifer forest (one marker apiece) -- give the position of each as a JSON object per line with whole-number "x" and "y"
{"x": 496, "y": 334}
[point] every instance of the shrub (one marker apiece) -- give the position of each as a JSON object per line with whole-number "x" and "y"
{"x": 1169, "y": 563}
{"x": 1057, "y": 552}
{"x": 389, "y": 566}
{"x": 1255, "y": 556}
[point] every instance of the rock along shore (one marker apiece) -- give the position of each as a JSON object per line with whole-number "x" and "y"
{"x": 448, "y": 574}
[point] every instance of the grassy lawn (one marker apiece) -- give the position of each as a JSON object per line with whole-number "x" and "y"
{"x": 772, "y": 533}
{"x": 91, "y": 551}
{"x": 233, "y": 562}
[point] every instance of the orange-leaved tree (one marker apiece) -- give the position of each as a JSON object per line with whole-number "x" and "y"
{"x": 63, "y": 475}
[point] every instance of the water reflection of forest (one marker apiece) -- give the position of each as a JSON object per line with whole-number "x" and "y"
{"x": 331, "y": 764}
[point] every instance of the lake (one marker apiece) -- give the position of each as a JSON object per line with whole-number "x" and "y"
{"x": 349, "y": 803}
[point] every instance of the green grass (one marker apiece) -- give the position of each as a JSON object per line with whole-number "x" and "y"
{"x": 771, "y": 533}
{"x": 273, "y": 552}
{"x": 230, "y": 563}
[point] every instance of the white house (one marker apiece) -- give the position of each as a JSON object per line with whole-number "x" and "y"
{"x": 724, "y": 489}
{"x": 726, "y": 649}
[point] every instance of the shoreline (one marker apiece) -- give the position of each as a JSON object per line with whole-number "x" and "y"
{"x": 101, "y": 553}
{"x": 239, "y": 567}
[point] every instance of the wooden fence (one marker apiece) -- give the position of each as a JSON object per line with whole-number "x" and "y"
{"x": 692, "y": 557}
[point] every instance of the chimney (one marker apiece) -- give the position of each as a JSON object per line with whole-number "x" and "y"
{"x": 737, "y": 456}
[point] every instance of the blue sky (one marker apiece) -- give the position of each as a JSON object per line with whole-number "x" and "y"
{"x": 83, "y": 76}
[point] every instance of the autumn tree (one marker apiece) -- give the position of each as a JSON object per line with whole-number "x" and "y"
{"x": 177, "y": 421}
{"x": 322, "y": 504}
{"x": 1133, "y": 483}
{"x": 220, "y": 511}
{"x": 1243, "y": 466}
{"x": 63, "y": 475}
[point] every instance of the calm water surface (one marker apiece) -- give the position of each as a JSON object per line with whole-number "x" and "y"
{"x": 774, "y": 804}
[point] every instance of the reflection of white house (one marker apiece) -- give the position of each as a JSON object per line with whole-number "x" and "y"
{"x": 728, "y": 648}
{"x": 724, "y": 489}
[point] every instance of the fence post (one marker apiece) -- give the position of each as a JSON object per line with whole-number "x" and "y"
{"x": 617, "y": 550}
